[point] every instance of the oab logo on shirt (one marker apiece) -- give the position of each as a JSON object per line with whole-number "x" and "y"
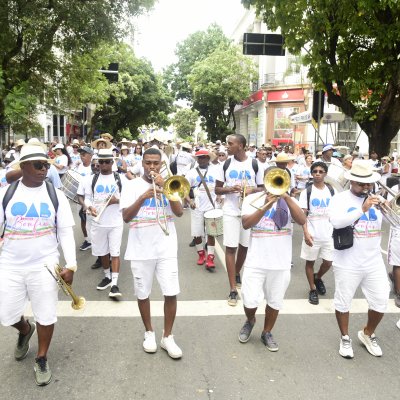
{"x": 370, "y": 217}
{"x": 233, "y": 174}
{"x": 22, "y": 209}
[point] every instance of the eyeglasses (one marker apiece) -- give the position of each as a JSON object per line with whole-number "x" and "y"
{"x": 105, "y": 161}
{"x": 221, "y": 155}
{"x": 40, "y": 165}
{"x": 318, "y": 171}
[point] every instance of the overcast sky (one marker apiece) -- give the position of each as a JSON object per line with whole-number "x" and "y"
{"x": 172, "y": 21}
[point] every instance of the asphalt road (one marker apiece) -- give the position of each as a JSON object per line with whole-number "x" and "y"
{"x": 97, "y": 353}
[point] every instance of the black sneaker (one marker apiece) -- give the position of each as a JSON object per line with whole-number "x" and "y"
{"x": 238, "y": 281}
{"x": 97, "y": 264}
{"x": 319, "y": 284}
{"x": 114, "y": 291}
{"x": 192, "y": 243}
{"x": 313, "y": 297}
{"x": 104, "y": 284}
{"x": 85, "y": 246}
{"x": 233, "y": 298}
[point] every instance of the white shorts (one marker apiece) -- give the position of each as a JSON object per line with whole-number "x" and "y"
{"x": 234, "y": 233}
{"x": 166, "y": 271}
{"x": 394, "y": 247}
{"x": 374, "y": 284}
{"x": 197, "y": 223}
{"x": 323, "y": 250}
{"x": 34, "y": 283}
{"x": 106, "y": 240}
{"x": 89, "y": 223}
{"x": 259, "y": 284}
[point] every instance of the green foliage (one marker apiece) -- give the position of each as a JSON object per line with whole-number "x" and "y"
{"x": 184, "y": 121}
{"x": 219, "y": 83}
{"x": 352, "y": 51}
{"x": 139, "y": 98}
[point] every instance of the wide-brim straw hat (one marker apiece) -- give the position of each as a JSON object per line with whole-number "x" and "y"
{"x": 125, "y": 142}
{"x": 32, "y": 152}
{"x": 95, "y": 143}
{"x": 207, "y": 153}
{"x": 362, "y": 171}
{"x": 107, "y": 136}
{"x": 186, "y": 145}
{"x": 283, "y": 157}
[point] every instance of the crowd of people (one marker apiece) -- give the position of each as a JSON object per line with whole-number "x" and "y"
{"x": 254, "y": 195}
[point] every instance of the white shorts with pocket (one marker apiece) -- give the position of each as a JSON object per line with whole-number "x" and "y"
{"x": 259, "y": 284}
{"x": 394, "y": 247}
{"x": 323, "y": 250}
{"x": 373, "y": 282}
{"x": 197, "y": 223}
{"x": 166, "y": 271}
{"x": 234, "y": 233}
{"x": 106, "y": 240}
{"x": 18, "y": 285}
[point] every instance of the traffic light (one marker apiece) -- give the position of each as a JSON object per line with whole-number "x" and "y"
{"x": 263, "y": 44}
{"x": 318, "y": 99}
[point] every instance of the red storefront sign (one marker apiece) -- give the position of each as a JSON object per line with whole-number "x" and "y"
{"x": 257, "y": 96}
{"x": 279, "y": 96}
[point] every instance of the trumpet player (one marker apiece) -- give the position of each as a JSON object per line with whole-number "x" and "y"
{"x": 151, "y": 251}
{"x": 362, "y": 264}
{"x": 102, "y": 194}
{"x": 34, "y": 217}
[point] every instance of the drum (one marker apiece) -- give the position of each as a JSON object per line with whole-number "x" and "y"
{"x": 214, "y": 222}
{"x": 70, "y": 181}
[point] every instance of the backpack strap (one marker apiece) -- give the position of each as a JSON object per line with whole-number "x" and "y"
{"x": 254, "y": 164}
{"x": 94, "y": 181}
{"x": 226, "y": 165}
{"x": 309, "y": 188}
{"x": 118, "y": 181}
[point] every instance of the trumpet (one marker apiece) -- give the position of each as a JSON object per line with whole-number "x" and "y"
{"x": 391, "y": 210}
{"x": 243, "y": 185}
{"x": 176, "y": 188}
{"x": 105, "y": 205}
{"x": 276, "y": 182}
{"x": 78, "y": 302}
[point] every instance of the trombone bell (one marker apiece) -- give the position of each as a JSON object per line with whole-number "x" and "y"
{"x": 277, "y": 181}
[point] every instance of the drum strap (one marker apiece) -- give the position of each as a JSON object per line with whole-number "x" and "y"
{"x": 205, "y": 185}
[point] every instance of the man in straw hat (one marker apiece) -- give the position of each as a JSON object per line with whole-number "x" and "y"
{"x": 35, "y": 216}
{"x": 362, "y": 264}
{"x": 201, "y": 203}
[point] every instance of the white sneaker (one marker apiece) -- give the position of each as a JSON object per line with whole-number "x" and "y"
{"x": 149, "y": 342}
{"x": 168, "y": 344}
{"x": 398, "y": 323}
{"x": 371, "y": 343}
{"x": 346, "y": 349}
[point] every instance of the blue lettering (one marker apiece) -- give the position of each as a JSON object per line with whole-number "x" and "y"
{"x": 32, "y": 212}
{"x": 99, "y": 188}
{"x": 45, "y": 210}
{"x": 18, "y": 209}
{"x": 233, "y": 174}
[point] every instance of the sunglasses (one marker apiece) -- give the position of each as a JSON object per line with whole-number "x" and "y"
{"x": 105, "y": 161}
{"x": 40, "y": 165}
{"x": 363, "y": 184}
{"x": 318, "y": 171}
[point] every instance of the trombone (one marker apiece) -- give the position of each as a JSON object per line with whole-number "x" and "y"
{"x": 176, "y": 188}
{"x": 276, "y": 182}
{"x": 391, "y": 211}
{"x": 78, "y": 302}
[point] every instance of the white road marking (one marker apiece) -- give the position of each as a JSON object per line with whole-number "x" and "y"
{"x": 204, "y": 308}
{"x": 220, "y": 253}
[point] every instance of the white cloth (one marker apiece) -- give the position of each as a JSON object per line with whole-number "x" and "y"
{"x": 304, "y": 172}
{"x": 238, "y": 173}
{"x": 344, "y": 209}
{"x": 83, "y": 171}
{"x": 30, "y": 232}
{"x": 269, "y": 248}
{"x": 105, "y": 186}
{"x": 184, "y": 162}
{"x": 76, "y": 160}
{"x": 234, "y": 233}
{"x": 318, "y": 224}
{"x": 106, "y": 240}
{"x": 62, "y": 160}
{"x": 3, "y": 180}
{"x": 394, "y": 246}
{"x": 318, "y": 249}
{"x": 146, "y": 240}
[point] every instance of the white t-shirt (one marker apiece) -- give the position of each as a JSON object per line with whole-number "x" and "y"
{"x": 3, "y": 180}
{"x": 146, "y": 240}
{"x": 76, "y": 159}
{"x": 84, "y": 171}
{"x": 318, "y": 224}
{"x": 105, "y": 186}
{"x": 305, "y": 172}
{"x": 62, "y": 160}
{"x": 269, "y": 248}
{"x": 335, "y": 168}
{"x": 238, "y": 173}
{"x": 184, "y": 162}
{"x": 200, "y": 193}
{"x": 344, "y": 209}
{"x": 30, "y": 232}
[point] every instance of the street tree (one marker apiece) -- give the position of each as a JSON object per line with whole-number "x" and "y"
{"x": 139, "y": 98}
{"x": 352, "y": 50}
{"x": 38, "y": 38}
{"x": 184, "y": 121}
{"x": 219, "y": 83}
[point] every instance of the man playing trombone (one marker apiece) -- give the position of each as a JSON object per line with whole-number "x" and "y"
{"x": 35, "y": 216}
{"x": 102, "y": 194}
{"x": 152, "y": 247}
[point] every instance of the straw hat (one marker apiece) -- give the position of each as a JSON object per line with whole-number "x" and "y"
{"x": 283, "y": 157}
{"x": 125, "y": 142}
{"x": 36, "y": 142}
{"x": 106, "y": 136}
{"x": 20, "y": 142}
{"x": 361, "y": 171}
{"x": 124, "y": 148}
{"x": 186, "y": 145}
{"x": 204, "y": 152}
{"x": 95, "y": 143}
{"x": 31, "y": 152}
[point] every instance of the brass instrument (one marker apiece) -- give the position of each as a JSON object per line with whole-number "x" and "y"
{"x": 391, "y": 211}
{"x": 78, "y": 302}
{"x": 243, "y": 186}
{"x": 176, "y": 188}
{"x": 276, "y": 182}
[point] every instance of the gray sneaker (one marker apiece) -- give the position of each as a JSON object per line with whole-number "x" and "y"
{"x": 42, "y": 371}
{"x": 245, "y": 332}
{"x": 269, "y": 341}
{"x": 22, "y": 347}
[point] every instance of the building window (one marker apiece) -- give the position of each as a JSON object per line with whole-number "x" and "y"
{"x": 347, "y": 132}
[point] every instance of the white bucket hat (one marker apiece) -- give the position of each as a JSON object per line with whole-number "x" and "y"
{"x": 361, "y": 171}
{"x": 32, "y": 152}
{"x": 105, "y": 154}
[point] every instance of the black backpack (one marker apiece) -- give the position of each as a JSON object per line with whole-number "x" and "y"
{"x": 309, "y": 188}
{"x": 227, "y": 163}
{"x": 116, "y": 177}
